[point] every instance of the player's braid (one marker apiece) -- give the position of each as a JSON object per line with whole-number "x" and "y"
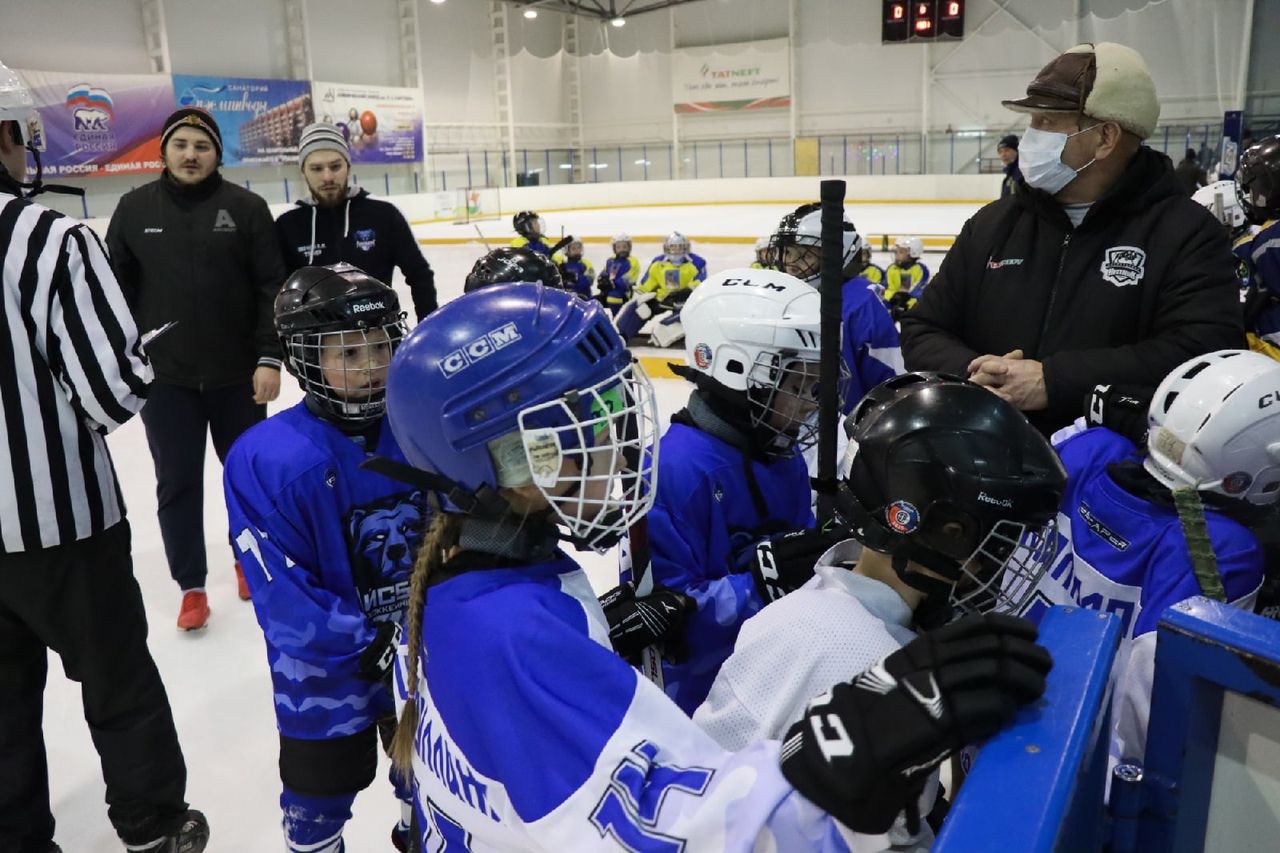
{"x": 441, "y": 536}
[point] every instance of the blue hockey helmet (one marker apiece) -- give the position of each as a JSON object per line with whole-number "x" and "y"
{"x": 519, "y": 384}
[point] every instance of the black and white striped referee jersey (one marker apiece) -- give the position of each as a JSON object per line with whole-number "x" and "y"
{"x": 71, "y": 371}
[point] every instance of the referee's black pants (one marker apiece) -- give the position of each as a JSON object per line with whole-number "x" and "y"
{"x": 176, "y": 420}
{"x": 81, "y": 600}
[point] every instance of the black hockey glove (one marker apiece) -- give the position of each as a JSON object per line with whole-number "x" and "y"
{"x": 785, "y": 562}
{"x": 898, "y": 304}
{"x": 637, "y": 623}
{"x": 603, "y": 284}
{"x": 864, "y": 749}
{"x": 380, "y": 654}
{"x": 1120, "y": 408}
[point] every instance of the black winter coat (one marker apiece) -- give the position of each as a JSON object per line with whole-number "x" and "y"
{"x": 207, "y": 257}
{"x": 1143, "y": 284}
{"x": 370, "y": 234}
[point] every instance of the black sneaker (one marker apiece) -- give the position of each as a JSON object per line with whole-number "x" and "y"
{"x": 191, "y": 837}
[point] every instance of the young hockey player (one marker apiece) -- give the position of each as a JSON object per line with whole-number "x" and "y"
{"x": 1219, "y": 198}
{"x": 869, "y": 342}
{"x": 762, "y": 254}
{"x": 1139, "y": 533}
{"x": 870, "y": 271}
{"x": 1258, "y": 189}
{"x": 531, "y": 234}
{"x": 906, "y": 277}
{"x": 674, "y": 273}
{"x": 327, "y": 547}
{"x": 507, "y": 265}
{"x": 539, "y": 430}
{"x": 924, "y": 448}
{"x": 732, "y": 470}
{"x": 576, "y": 271}
{"x": 619, "y": 276}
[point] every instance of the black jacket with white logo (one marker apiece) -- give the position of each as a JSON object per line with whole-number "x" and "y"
{"x": 207, "y": 257}
{"x": 1143, "y": 284}
{"x": 370, "y": 234}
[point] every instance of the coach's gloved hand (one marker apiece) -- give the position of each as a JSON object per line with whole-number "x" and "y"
{"x": 637, "y": 623}
{"x": 380, "y": 654}
{"x": 1120, "y": 408}
{"x": 782, "y": 563}
{"x": 863, "y": 749}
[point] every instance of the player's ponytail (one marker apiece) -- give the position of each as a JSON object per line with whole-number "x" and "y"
{"x": 441, "y": 536}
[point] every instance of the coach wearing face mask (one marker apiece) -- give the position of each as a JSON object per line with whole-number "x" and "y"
{"x": 1101, "y": 272}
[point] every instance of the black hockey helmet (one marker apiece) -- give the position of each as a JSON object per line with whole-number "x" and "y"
{"x": 942, "y": 472}
{"x": 321, "y": 314}
{"x": 1258, "y": 180}
{"x": 523, "y": 223}
{"x": 511, "y": 264}
{"x": 802, "y": 228}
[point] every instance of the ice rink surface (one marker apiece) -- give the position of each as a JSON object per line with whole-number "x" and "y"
{"x": 217, "y": 679}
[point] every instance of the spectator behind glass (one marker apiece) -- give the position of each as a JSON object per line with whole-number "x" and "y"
{"x": 1191, "y": 175}
{"x": 195, "y": 250}
{"x": 1101, "y": 271}
{"x": 1007, "y": 150}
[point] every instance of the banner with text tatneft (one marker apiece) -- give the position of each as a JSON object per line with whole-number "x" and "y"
{"x": 99, "y": 124}
{"x": 745, "y": 76}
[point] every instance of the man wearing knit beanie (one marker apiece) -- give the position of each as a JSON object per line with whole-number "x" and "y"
{"x": 194, "y": 250}
{"x": 338, "y": 222}
{"x": 1098, "y": 271}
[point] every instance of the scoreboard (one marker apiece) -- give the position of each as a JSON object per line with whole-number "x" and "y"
{"x": 922, "y": 21}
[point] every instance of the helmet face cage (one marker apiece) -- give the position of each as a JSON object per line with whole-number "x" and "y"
{"x": 1002, "y": 573}
{"x": 782, "y": 392}
{"x": 601, "y": 442}
{"x": 676, "y": 246}
{"x": 345, "y": 372}
{"x": 796, "y": 247}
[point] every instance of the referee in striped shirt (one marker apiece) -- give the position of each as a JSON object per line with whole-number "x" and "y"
{"x": 71, "y": 370}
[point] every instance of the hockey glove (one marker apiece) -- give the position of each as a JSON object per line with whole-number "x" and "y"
{"x": 1120, "y": 408}
{"x": 637, "y": 623}
{"x": 898, "y": 304}
{"x": 603, "y": 284}
{"x": 785, "y": 562}
{"x": 864, "y": 749}
{"x": 380, "y": 654}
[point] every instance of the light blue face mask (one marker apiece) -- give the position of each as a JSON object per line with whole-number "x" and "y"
{"x": 1040, "y": 159}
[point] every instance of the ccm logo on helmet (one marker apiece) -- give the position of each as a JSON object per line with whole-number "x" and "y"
{"x": 1268, "y": 399}
{"x": 746, "y": 282}
{"x": 482, "y": 347}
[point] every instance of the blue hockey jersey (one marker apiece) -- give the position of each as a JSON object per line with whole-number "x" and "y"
{"x": 1264, "y": 261}
{"x": 534, "y": 736}
{"x": 579, "y": 277}
{"x": 1120, "y": 553}
{"x": 869, "y": 345}
{"x": 623, "y": 274}
{"x": 703, "y": 515}
{"x": 327, "y": 550}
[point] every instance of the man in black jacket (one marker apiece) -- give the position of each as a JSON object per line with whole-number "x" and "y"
{"x": 1007, "y": 149}
{"x": 200, "y": 252}
{"x": 341, "y": 223}
{"x": 1100, "y": 271}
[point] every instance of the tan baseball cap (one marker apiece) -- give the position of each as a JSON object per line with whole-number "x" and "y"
{"x": 1105, "y": 81}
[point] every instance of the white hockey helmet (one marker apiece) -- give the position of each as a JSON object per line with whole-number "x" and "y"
{"x": 621, "y": 237}
{"x": 913, "y": 245}
{"x": 757, "y": 332}
{"x": 16, "y": 104}
{"x": 802, "y": 229}
{"x": 676, "y": 245}
{"x": 1220, "y": 199}
{"x": 1214, "y": 425}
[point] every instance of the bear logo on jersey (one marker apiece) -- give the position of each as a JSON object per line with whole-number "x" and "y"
{"x": 382, "y": 538}
{"x": 1124, "y": 265}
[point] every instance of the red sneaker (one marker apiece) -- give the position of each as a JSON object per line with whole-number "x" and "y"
{"x": 241, "y": 587}
{"x": 195, "y": 611}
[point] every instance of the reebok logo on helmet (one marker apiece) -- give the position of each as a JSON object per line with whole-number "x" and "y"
{"x": 365, "y": 307}
{"x": 480, "y": 348}
{"x": 985, "y": 498}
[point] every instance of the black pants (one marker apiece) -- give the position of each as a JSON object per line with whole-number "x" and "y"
{"x": 82, "y": 601}
{"x": 176, "y": 420}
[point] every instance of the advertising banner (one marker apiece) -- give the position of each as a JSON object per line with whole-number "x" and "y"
{"x": 744, "y": 76}
{"x": 100, "y": 124}
{"x": 383, "y": 124}
{"x": 260, "y": 120}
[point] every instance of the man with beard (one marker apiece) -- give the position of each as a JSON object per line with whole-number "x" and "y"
{"x": 339, "y": 222}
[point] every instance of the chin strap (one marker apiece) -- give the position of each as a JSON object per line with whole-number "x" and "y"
{"x": 524, "y": 538}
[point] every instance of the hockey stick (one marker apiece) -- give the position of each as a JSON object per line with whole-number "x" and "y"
{"x": 487, "y": 247}
{"x": 832, "y": 196}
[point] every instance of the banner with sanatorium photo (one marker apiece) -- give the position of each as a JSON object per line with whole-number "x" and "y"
{"x": 260, "y": 120}
{"x": 99, "y": 124}
{"x": 382, "y": 124}
{"x": 744, "y": 76}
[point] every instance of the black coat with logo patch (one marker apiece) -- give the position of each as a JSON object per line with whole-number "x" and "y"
{"x": 207, "y": 257}
{"x": 1143, "y": 284}
{"x": 365, "y": 232}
